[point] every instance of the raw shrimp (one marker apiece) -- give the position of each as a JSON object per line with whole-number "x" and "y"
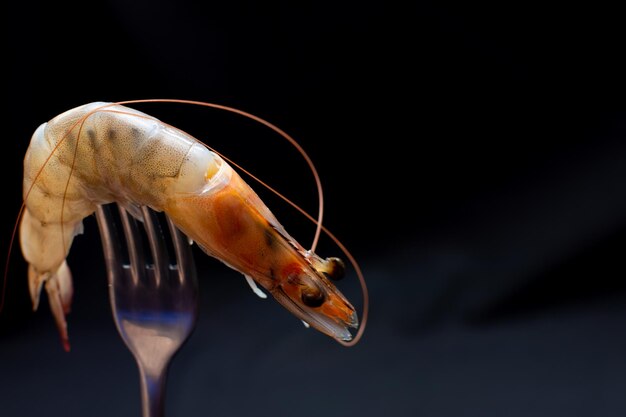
{"x": 100, "y": 153}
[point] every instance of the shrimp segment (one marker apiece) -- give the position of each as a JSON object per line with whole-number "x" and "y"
{"x": 102, "y": 152}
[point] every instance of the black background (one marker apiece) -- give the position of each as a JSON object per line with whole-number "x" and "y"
{"x": 473, "y": 158}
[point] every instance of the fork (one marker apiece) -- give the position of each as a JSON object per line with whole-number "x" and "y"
{"x": 154, "y": 304}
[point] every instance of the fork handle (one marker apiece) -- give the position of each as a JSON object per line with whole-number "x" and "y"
{"x": 152, "y": 393}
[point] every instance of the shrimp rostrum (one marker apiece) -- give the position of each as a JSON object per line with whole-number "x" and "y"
{"x": 104, "y": 152}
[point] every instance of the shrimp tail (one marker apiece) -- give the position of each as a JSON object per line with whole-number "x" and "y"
{"x": 54, "y": 276}
{"x": 59, "y": 289}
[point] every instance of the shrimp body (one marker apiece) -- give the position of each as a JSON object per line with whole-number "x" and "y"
{"x": 101, "y": 153}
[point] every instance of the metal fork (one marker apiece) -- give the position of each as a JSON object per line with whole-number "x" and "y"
{"x": 155, "y": 305}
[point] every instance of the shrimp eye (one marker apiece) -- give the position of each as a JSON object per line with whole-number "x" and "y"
{"x": 313, "y": 299}
{"x": 336, "y": 269}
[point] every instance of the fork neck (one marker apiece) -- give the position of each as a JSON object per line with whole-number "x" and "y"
{"x": 152, "y": 392}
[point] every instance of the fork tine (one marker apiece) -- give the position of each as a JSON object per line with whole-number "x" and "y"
{"x": 133, "y": 243}
{"x": 108, "y": 235}
{"x": 157, "y": 246}
{"x": 184, "y": 257}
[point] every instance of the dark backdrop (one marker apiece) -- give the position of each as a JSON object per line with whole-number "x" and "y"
{"x": 474, "y": 161}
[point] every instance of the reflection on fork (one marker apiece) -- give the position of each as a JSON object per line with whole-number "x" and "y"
{"x": 154, "y": 304}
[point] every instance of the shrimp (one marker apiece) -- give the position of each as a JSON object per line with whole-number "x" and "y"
{"x": 100, "y": 153}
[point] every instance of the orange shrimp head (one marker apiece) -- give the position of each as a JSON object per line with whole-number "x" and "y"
{"x": 230, "y": 222}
